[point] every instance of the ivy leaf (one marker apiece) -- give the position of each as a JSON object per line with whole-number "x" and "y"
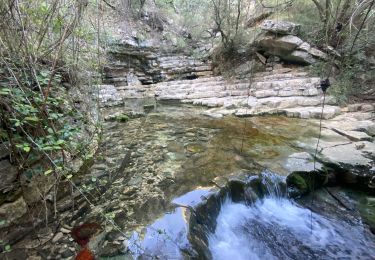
{"x": 26, "y": 148}
{"x": 48, "y": 172}
{"x": 47, "y": 148}
{"x": 32, "y": 119}
{"x": 58, "y": 142}
{"x": 7, "y": 248}
{"x": 4, "y": 91}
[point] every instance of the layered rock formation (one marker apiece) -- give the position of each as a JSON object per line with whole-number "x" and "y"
{"x": 281, "y": 91}
{"x": 138, "y": 71}
{"x": 280, "y": 40}
{"x": 132, "y": 68}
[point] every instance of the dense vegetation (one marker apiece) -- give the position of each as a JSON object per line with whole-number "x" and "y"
{"x": 47, "y": 49}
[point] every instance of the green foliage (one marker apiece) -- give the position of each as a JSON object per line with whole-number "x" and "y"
{"x": 56, "y": 44}
{"x": 122, "y": 118}
{"x": 36, "y": 124}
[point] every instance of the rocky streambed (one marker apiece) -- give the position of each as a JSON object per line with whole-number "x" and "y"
{"x": 166, "y": 176}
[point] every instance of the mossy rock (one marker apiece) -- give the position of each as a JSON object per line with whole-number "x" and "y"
{"x": 297, "y": 185}
{"x": 148, "y": 107}
{"x": 367, "y": 210}
{"x": 122, "y": 118}
{"x": 300, "y": 183}
{"x": 195, "y": 148}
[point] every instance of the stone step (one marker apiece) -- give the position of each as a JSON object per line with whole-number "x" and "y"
{"x": 298, "y": 112}
{"x": 187, "y": 81}
{"x": 274, "y": 77}
{"x": 180, "y": 64}
{"x": 308, "y": 91}
{"x": 230, "y": 89}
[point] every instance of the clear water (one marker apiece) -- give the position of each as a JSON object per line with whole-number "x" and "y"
{"x": 278, "y": 228}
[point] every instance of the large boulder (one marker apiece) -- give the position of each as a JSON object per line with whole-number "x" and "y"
{"x": 290, "y": 48}
{"x": 280, "y": 40}
{"x": 299, "y": 56}
{"x": 279, "y": 46}
{"x": 280, "y": 27}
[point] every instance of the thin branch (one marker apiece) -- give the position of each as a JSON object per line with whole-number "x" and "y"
{"x": 362, "y": 24}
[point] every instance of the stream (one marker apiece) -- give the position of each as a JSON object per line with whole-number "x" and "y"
{"x": 178, "y": 156}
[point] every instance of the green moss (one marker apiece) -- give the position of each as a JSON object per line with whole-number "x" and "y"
{"x": 122, "y": 118}
{"x": 367, "y": 210}
{"x": 195, "y": 148}
{"x": 148, "y": 106}
{"x": 295, "y": 180}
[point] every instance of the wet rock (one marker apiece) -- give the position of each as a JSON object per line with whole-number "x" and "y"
{"x": 195, "y": 148}
{"x": 300, "y": 183}
{"x": 113, "y": 236}
{"x": 297, "y": 185}
{"x": 250, "y": 195}
{"x": 301, "y": 162}
{"x": 152, "y": 205}
{"x": 66, "y": 253}
{"x": 111, "y": 249}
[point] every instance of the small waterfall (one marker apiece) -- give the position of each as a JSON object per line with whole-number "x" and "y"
{"x": 273, "y": 184}
{"x": 249, "y": 218}
{"x": 275, "y": 227}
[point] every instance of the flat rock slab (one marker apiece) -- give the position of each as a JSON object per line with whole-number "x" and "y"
{"x": 350, "y": 153}
{"x": 301, "y": 162}
{"x": 280, "y": 27}
{"x": 313, "y": 112}
{"x": 354, "y": 135}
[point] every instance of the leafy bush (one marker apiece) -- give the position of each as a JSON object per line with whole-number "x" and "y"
{"x": 45, "y": 49}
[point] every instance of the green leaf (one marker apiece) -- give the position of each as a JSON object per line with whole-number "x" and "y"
{"x": 47, "y": 148}
{"x": 48, "y": 172}
{"x": 69, "y": 176}
{"x": 32, "y": 119}
{"x": 93, "y": 179}
{"x": 58, "y": 142}
{"x": 2, "y": 222}
{"x": 5, "y": 91}
{"x": 7, "y": 248}
{"x": 26, "y": 148}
